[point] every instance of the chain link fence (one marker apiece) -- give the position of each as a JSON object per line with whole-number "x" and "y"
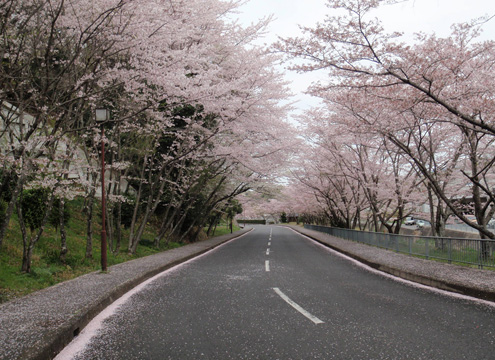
{"x": 452, "y": 250}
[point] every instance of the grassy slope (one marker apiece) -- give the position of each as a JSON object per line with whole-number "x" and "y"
{"x": 46, "y": 267}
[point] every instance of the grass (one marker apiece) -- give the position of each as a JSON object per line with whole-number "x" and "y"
{"x": 224, "y": 228}
{"x": 48, "y": 270}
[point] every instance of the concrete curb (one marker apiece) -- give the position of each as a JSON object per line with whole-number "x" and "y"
{"x": 461, "y": 280}
{"x": 38, "y": 326}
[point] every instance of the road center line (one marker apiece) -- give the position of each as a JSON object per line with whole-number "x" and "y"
{"x": 297, "y": 307}
{"x": 267, "y": 265}
{"x": 268, "y": 251}
{"x": 269, "y": 243}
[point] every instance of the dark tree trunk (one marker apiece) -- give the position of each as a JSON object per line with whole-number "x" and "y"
{"x": 4, "y": 224}
{"x": 30, "y": 242}
{"x": 89, "y": 224}
{"x": 63, "y": 235}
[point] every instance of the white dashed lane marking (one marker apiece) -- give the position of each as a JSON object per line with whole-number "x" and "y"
{"x": 297, "y": 307}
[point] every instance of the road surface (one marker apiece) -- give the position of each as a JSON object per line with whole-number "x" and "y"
{"x": 273, "y": 294}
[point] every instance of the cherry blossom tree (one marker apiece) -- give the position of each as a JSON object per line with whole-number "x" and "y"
{"x": 41, "y": 96}
{"x": 387, "y": 84}
{"x": 375, "y": 179}
{"x": 147, "y": 61}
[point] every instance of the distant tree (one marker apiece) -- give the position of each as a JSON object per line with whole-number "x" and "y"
{"x": 233, "y": 208}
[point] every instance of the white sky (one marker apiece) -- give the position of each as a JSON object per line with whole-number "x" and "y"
{"x": 409, "y": 17}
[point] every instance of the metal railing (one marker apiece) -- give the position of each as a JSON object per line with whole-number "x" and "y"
{"x": 453, "y": 250}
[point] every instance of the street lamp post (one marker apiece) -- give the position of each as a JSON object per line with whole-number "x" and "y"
{"x": 103, "y": 115}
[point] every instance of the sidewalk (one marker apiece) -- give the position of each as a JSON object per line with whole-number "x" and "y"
{"x": 41, "y": 324}
{"x": 459, "y": 279}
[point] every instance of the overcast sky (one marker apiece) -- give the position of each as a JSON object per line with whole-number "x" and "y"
{"x": 409, "y": 16}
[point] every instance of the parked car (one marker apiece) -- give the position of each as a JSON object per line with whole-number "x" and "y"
{"x": 420, "y": 223}
{"x": 410, "y": 221}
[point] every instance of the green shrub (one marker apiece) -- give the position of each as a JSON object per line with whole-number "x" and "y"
{"x": 33, "y": 204}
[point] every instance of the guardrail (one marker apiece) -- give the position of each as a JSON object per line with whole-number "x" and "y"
{"x": 453, "y": 250}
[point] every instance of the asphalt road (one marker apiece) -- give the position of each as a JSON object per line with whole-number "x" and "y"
{"x": 273, "y": 294}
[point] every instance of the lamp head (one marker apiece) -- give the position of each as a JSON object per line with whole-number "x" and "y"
{"x": 102, "y": 115}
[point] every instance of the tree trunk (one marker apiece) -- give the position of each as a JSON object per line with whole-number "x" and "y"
{"x": 108, "y": 210}
{"x": 89, "y": 224}
{"x": 118, "y": 225}
{"x": 398, "y": 224}
{"x": 213, "y": 223}
{"x": 136, "y": 208}
{"x": 26, "y": 259}
{"x": 134, "y": 241}
{"x": 4, "y": 224}
{"x": 63, "y": 235}
{"x": 161, "y": 232}
{"x": 30, "y": 242}
{"x": 118, "y": 228}
{"x": 433, "y": 217}
{"x": 179, "y": 223}
{"x": 187, "y": 231}
{"x": 26, "y": 256}
{"x": 61, "y": 211}
{"x": 167, "y": 221}
{"x": 152, "y": 205}
{"x": 110, "y": 224}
